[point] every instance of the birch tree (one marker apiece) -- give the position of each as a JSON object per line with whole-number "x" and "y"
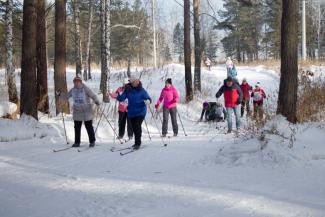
{"x": 78, "y": 50}
{"x": 105, "y": 47}
{"x": 10, "y": 69}
{"x": 87, "y": 73}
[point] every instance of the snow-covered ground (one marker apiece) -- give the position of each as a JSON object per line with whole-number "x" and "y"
{"x": 205, "y": 174}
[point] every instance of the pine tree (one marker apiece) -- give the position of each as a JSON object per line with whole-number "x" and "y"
{"x": 28, "y": 92}
{"x": 178, "y": 42}
{"x": 187, "y": 51}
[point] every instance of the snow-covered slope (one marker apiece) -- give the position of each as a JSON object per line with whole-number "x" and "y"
{"x": 206, "y": 173}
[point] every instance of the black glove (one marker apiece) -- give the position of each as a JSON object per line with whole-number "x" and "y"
{"x": 127, "y": 87}
{"x": 238, "y": 102}
{"x": 58, "y": 93}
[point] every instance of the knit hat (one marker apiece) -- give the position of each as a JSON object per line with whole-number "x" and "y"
{"x": 229, "y": 79}
{"x": 133, "y": 78}
{"x": 169, "y": 81}
{"x": 205, "y": 105}
{"x": 77, "y": 78}
{"x": 244, "y": 80}
{"x": 257, "y": 84}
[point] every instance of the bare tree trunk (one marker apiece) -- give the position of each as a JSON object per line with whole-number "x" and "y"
{"x": 10, "y": 69}
{"x": 78, "y": 51}
{"x": 105, "y": 48}
{"x": 197, "y": 69}
{"x": 187, "y": 51}
{"x": 287, "y": 101}
{"x": 28, "y": 93}
{"x": 60, "y": 82}
{"x": 42, "y": 91}
{"x": 128, "y": 72}
{"x": 90, "y": 21}
{"x": 89, "y": 64}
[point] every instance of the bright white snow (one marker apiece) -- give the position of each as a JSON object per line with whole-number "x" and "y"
{"x": 204, "y": 174}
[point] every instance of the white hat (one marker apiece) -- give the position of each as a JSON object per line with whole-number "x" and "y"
{"x": 77, "y": 78}
{"x": 133, "y": 78}
{"x": 257, "y": 84}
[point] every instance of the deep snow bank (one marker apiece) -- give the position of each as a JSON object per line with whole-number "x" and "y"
{"x": 24, "y": 129}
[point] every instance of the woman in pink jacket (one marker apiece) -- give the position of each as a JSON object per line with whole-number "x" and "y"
{"x": 170, "y": 97}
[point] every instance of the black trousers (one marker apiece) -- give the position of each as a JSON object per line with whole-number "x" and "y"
{"x": 122, "y": 120}
{"x": 89, "y": 128}
{"x": 173, "y": 116}
{"x": 137, "y": 129}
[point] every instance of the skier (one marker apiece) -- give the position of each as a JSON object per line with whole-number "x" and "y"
{"x": 170, "y": 97}
{"x": 231, "y": 69}
{"x": 258, "y": 96}
{"x": 123, "y": 119}
{"x": 213, "y": 111}
{"x": 208, "y": 63}
{"x": 138, "y": 99}
{"x": 83, "y": 109}
{"x": 233, "y": 97}
{"x": 246, "y": 89}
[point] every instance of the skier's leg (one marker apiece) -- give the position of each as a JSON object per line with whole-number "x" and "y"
{"x": 247, "y": 107}
{"x": 242, "y": 108}
{"x": 136, "y": 126}
{"x": 173, "y": 117}
{"x": 129, "y": 127}
{"x": 165, "y": 121}
{"x": 77, "y": 131}
{"x": 237, "y": 115}
{"x": 229, "y": 117}
{"x": 90, "y": 131}
{"x": 121, "y": 123}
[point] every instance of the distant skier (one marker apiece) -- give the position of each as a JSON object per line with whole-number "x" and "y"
{"x": 231, "y": 69}
{"x": 233, "y": 97}
{"x": 246, "y": 89}
{"x": 208, "y": 63}
{"x": 83, "y": 110}
{"x": 258, "y": 96}
{"x": 138, "y": 99}
{"x": 170, "y": 97}
{"x": 123, "y": 119}
{"x": 213, "y": 111}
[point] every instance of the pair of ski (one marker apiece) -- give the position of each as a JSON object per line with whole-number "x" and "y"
{"x": 124, "y": 151}
{"x": 68, "y": 148}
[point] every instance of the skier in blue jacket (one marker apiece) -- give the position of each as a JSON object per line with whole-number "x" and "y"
{"x": 138, "y": 99}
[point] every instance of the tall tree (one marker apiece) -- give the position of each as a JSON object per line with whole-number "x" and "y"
{"x": 287, "y": 100}
{"x": 197, "y": 46}
{"x": 105, "y": 48}
{"x": 42, "y": 90}
{"x": 10, "y": 69}
{"x": 187, "y": 51}
{"x": 60, "y": 82}
{"x": 178, "y": 42}
{"x": 87, "y": 73}
{"x": 28, "y": 92}
{"x": 77, "y": 37}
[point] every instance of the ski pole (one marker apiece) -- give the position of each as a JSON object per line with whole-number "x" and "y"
{"x": 179, "y": 116}
{"x": 65, "y": 132}
{"x": 114, "y": 117}
{"x": 145, "y": 122}
{"x": 100, "y": 118}
{"x": 112, "y": 128}
{"x": 162, "y": 139}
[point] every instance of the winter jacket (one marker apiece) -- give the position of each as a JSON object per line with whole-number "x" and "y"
{"x": 170, "y": 97}
{"x": 83, "y": 108}
{"x": 136, "y": 97}
{"x": 246, "y": 88}
{"x": 258, "y": 96}
{"x": 233, "y": 95}
{"x": 122, "y": 106}
{"x": 214, "y": 111}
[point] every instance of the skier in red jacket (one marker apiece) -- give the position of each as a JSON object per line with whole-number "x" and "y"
{"x": 233, "y": 98}
{"x": 246, "y": 89}
{"x": 258, "y": 96}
